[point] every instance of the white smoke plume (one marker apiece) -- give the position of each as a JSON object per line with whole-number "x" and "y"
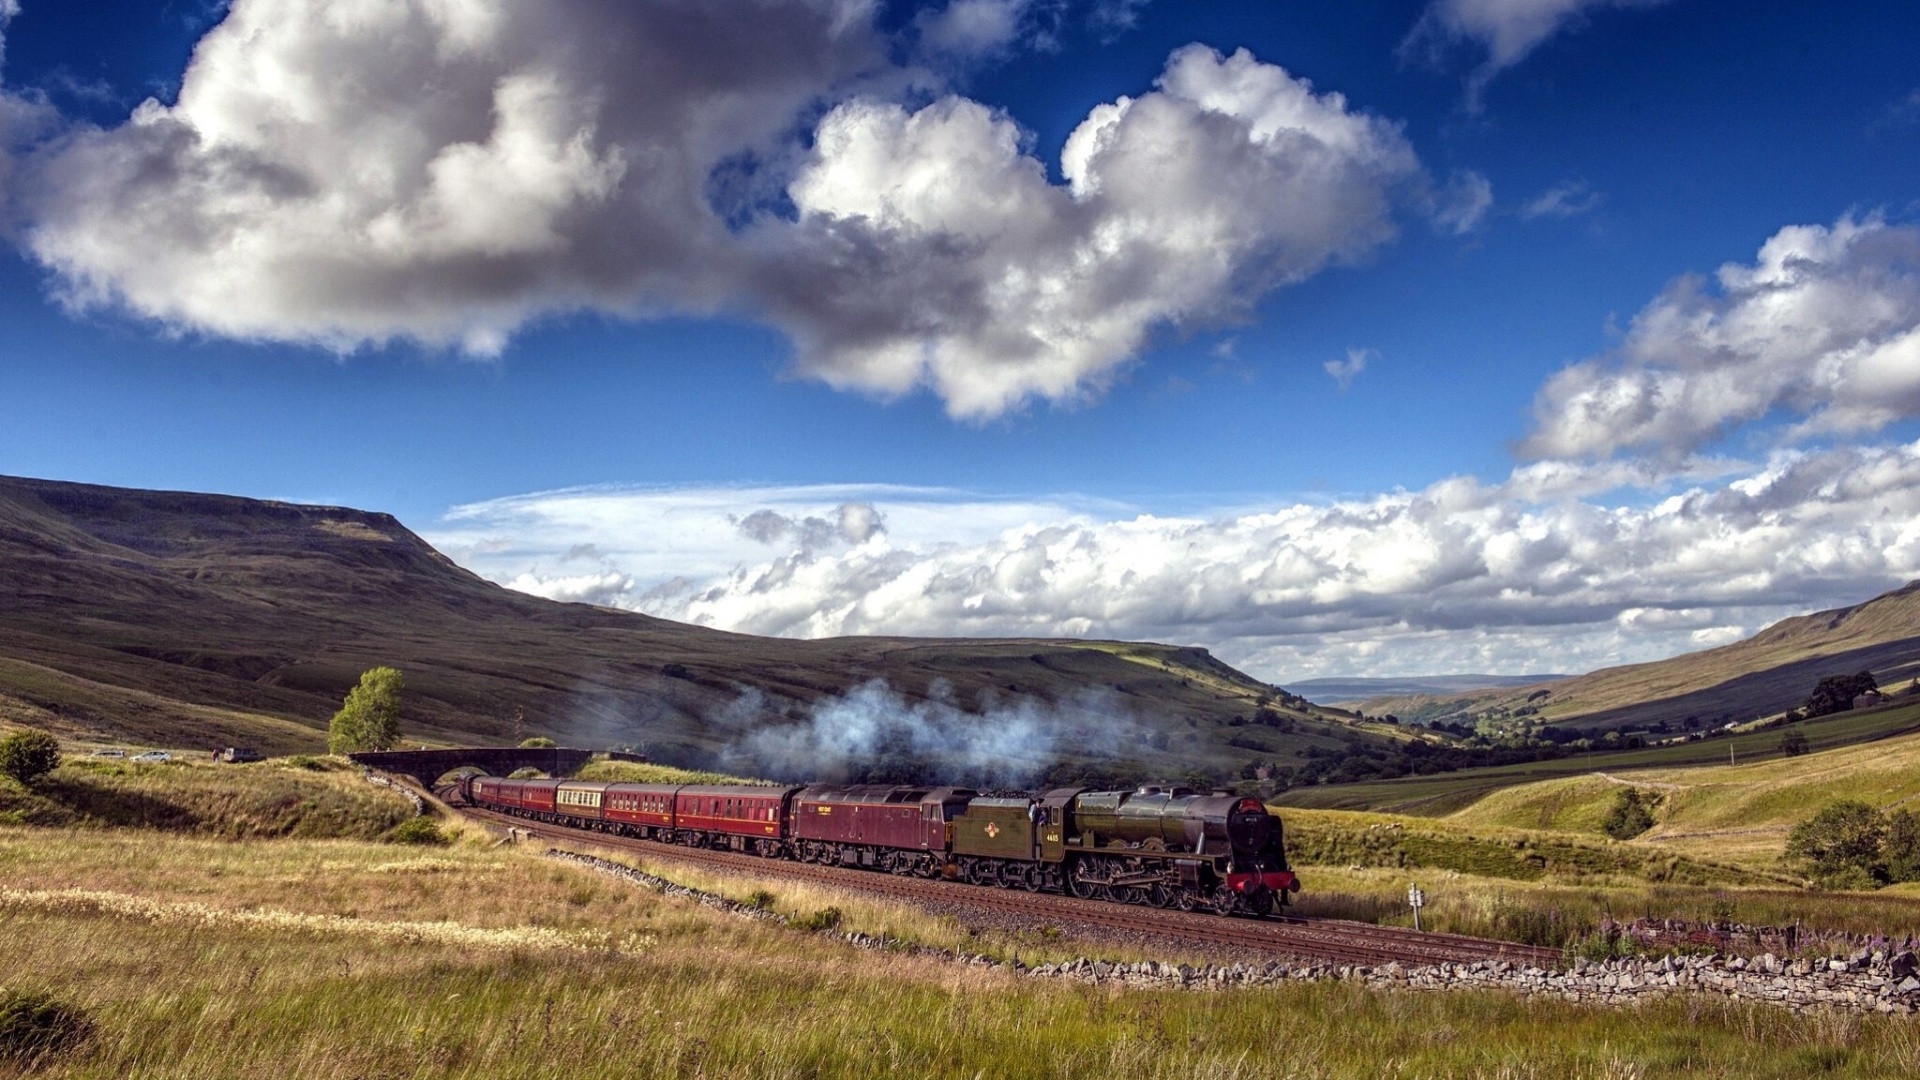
{"x": 877, "y": 733}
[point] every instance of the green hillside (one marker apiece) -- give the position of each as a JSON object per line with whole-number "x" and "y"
{"x": 181, "y": 619}
{"x": 1765, "y": 675}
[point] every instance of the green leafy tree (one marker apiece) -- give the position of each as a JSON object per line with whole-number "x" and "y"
{"x": 29, "y": 755}
{"x": 1842, "y": 843}
{"x": 370, "y": 717}
{"x": 1794, "y": 742}
{"x": 1835, "y": 693}
{"x": 1630, "y": 815}
{"x": 1902, "y": 846}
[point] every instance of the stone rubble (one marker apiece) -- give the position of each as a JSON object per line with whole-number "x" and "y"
{"x": 1866, "y": 980}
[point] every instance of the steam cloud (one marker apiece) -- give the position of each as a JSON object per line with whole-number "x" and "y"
{"x": 876, "y": 733}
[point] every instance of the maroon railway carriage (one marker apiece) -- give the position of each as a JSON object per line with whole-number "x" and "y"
{"x": 643, "y": 810}
{"x": 739, "y": 817}
{"x": 538, "y": 795}
{"x": 529, "y": 798}
{"x": 898, "y": 829}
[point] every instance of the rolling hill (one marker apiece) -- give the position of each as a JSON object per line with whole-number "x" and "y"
{"x": 1764, "y": 675}
{"x": 199, "y": 620}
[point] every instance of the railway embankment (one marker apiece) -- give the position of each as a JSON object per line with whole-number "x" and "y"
{"x": 1867, "y": 980}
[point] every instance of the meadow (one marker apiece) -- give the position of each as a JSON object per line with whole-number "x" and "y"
{"x": 203, "y": 958}
{"x": 205, "y": 952}
{"x": 1446, "y": 793}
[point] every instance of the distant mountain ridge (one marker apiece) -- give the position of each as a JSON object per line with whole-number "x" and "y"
{"x": 1353, "y": 690}
{"x": 213, "y": 619}
{"x": 1766, "y": 674}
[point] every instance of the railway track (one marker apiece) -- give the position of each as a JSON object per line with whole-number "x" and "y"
{"x": 1331, "y": 940}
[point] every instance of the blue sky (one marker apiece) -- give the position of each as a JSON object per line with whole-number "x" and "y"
{"x": 1509, "y": 335}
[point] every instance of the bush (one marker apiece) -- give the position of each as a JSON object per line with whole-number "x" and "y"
{"x": 1793, "y": 743}
{"x": 36, "y": 1027}
{"x": 826, "y": 918}
{"x": 1842, "y": 844}
{"x": 1902, "y": 846}
{"x": 29, "y": 755}
{"x": 418, "y": 830}
{"x": 538, "y": 742}
{"x": 1630, "y": 815}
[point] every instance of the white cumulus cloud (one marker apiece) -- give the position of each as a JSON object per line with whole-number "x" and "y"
{"x": 445, "y": 171}
{"x": 949, "y": 259}
{"x": 1823, "y": 326}
{"x": 1463, "y": 575}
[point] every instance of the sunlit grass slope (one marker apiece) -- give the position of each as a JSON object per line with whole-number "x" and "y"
{"x": 1739, "y": 813}
{"x": 298, "y": 797}
{"x": 1447, "y": 793}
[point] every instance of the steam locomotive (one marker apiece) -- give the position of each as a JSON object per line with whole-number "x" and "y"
{"x": 1172, "y": 847}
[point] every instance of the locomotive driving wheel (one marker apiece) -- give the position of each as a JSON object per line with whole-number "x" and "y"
{"x": 1079, "y": 886}
{"x": 1223, "y": 900}
{"x": 1260, "y": 902}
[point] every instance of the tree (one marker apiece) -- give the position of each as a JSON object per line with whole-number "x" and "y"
{"x": 1902, "y": 847}
{"x": 538, "y": 742}
{"x": 1630, "y": 815}
{"x": 370, "y": 717}
{"x": 1835, "y": 693}
{"x": 1842, "y": 842}
{"x": 1794, "y": 742}
{"x": 29, "y": 755}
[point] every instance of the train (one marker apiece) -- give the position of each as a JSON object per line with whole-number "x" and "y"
{"x": 1163, "y": 847}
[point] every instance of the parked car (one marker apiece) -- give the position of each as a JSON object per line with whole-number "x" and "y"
{"x": 238, "y": 755}
{"x": 153, "y": 755}
{"x": 110, "y": 753}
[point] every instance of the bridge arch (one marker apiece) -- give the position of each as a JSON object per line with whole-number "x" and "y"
{"x": 427, "y": 766}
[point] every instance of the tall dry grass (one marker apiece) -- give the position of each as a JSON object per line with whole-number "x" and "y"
{"x": 336, "y": 959}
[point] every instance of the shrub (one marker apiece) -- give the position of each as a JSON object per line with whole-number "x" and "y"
{"x": 1902, "y": 846}
{"x": 35, "y": 1027}
{"x": 1630, "y": 815}
{"x": 1842, "y": 844}
{"x": 29, "y": 755}
{"x": 760, "y": 900}
{"x": 538, "y": 742}
{"x": 418, "y": 830}
{"x": 826, "y": 918}
{"x": 1793, "y": 743}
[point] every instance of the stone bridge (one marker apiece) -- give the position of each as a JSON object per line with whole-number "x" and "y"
{"x": 426, "y": 766}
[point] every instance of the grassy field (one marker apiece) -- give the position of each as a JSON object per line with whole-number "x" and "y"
{"x": 284, "y": 797}
{"x": 323, "y": 959}
{"x": 1735, "y": 813}
{"x": 197, "y": 955}
{"x": 1446, "y": 793}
